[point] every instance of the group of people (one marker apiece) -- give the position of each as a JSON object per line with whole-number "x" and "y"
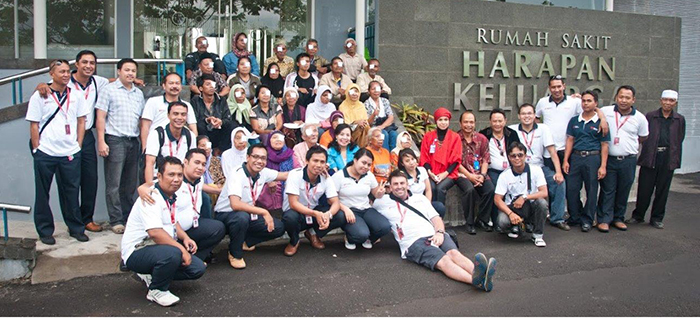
{"x": 313, "y": 157}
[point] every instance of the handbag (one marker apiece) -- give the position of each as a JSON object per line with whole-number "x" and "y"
{"x": 450, "y": 232}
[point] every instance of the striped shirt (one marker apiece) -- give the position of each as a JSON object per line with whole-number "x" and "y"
{"x": 124, "y": 107}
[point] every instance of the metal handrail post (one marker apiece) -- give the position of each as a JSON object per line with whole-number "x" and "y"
{"x": 4, "y": 222}
{"x": 20, "y": 92}
{"x": 14, "y": 93}
{"x": 158, "y": 77}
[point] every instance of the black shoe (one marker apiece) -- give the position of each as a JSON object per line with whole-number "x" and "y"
{"x": 497, "y": 229}
{"x": 585, "y": 228}
{"x": 471, "y": 230}
{"x": 529, "y": 228}
{"x": 484, "y": 226}
{"x": 48, "y": 240}
{"x": 562, "y": 226}
{"x": 81, "y": 237}
{"x": 122, "y": 267}
{"x": 634, "y": 221}
{"x": 657, "y": 224}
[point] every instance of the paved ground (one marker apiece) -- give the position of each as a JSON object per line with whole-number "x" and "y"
{"x": 643, "y": 271}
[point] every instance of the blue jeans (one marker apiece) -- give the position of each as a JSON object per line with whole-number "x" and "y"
{"x": 369, "y": 224}
{"x": 582, "y": 171}
{"x": 241, "y": 229}
{"x": 295, "y": 222}
{"x": 557, "y": 197}
{"x": 439, "y": 208}
{"x": 389, "y": 139}
{"x": 164, "y": 264}
{"x": 615, "y": 189}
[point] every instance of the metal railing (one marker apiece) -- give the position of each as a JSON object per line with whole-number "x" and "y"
{"x": 11, "y": 208}
{"x": 16, "y": 79}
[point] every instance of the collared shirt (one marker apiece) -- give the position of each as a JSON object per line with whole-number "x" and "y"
{"x": 384, "y": 108}
{"x": 220, "y": 80}
{"x": 497, "y": 153}
{"x": 353, "y": 65}
{"x": 309, "y": 194}
{"x": 417, "y": 184}
{"x": 536, "y": 141}
{"x": 317, "y": 62}
{"x": 91, "y": 93}
{"x": 586, "y": 133}
{"x": 354, "y": 193}
{"x": 266, "y": 121}
{"x": 665, "y": 132}
{"x": 242, "y": 185}
{"x": 286, "y": 65}
{"x": 364, "y": 79}
{"x": 411, "y": 225}
{"x": 124, "y": 107}
{"x": 511, "y": 184}
{"x": 144, "y": 217}
{"x": 334, "y": 84}
{"x": 156, "y": 110}
{"x": 624, "y": 136}
{"x": 192, "y": 62}
{"x": 189, "y": 202}
{"x": 59, "y": 138}
{"x": 557, "y": 116}
{"x": 470, "y": 150}
{"x": 171, "y": 146}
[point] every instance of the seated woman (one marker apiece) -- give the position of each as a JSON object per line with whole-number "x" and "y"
{"x": 418, "y": 180}
{"x": 364, "y": 225}
{"x": 263, "y": 116}
{"x": 341, "y": 150}
{"x": 239, "y": 107}
{"x": 355, "y": 115}
{"x": 249, "y": 81}
{"x": 333, "y": 121}
{"x": 279, "y": 158}
{"x": 381, "y": 166}
{"x": 235, "y": 157}
{"x": 291, "y": 113}
{"x": 213, "y": 177}
{"x": 309, "y": 133}
{"x": 380, "y": 115}
{"x": 403, "y": 141}
{"x": 274, "y": 82}
{"x": 212, "y": 114}
{"x": 322, "y": 108}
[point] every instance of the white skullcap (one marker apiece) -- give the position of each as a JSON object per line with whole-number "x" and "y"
{"x": 669, "y": 93}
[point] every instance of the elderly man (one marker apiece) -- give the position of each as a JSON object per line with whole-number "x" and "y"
{"x": 370, "y": 75}
{"x": 309, "y": 133}
{"x": 660, "y": 156}
{"x": 336, "y": 80}
{"x": 286, "y": 63}
{"x": 206, "y": 66}
{"x": 354, "y": 62}
{"x": 319, "y": 65}
{"x": 192, "y": 59}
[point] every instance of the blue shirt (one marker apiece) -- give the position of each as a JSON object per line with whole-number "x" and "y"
{"x": 231, "y": 63}
{"x": 587, "y": 135}
{"x": 335, "y": 160}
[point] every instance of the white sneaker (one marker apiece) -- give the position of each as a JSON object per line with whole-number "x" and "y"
{"x": 513, "y": 235}
{"x": 146, "y": 278}
{"x": 539, "y": 242}
{"x": 367, "y": 244}
{"x": 118, "y": 229}
{"x": 163, "y": 298}
{"x": 349, "y": 245}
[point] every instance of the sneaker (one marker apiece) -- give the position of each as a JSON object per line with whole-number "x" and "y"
{"x": 367, "y": 244}
{"x": 118, "y": 229}
{"x": 562, "y": 226}
{"x": 349, "y": 245}
{"x": 634, "y": 221}
{"x": 490, "y": 272}
{"x": 146, "y": 278}
{"x": 539, "y": 242}
{"x": 163, "y": 298}
{"x": 480, "y": 267}
{"x": 657, "y": 224}
{"x": 514, "y": 232}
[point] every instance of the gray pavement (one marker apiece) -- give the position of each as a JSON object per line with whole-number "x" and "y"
{"x": 643, "y": 271}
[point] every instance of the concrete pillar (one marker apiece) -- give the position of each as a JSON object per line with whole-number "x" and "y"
{"x": 360, "y": 26}
{"x": 40, "y": 29}
{"x": 609, "y": 4}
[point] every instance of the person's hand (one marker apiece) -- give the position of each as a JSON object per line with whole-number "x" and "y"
{"x": 441, "y": 176}
{"x": 102, "y": 149}
{"x": 382, "y": 189}
{"x": 559, "y": 177}
{"x": 145, "y": 194}
{"x": 437, "y": 239}
{"x": 601, "y": 172}
{"x": 349, "y": 216}
{"x": 299, "y": 122}
{"x": 514, "y": 218}
{"x": 518, "y": 203}
{"x": 476, "y": 179}
{"x": 322, "y": 220}
{"x": 272, "y": 186}
{"x": 269, "y": 222}
{"x": 565, "y": 167}
{"x": 341, "y": 91}
{"x": 190, "y": 245}
{"x": 44, "y": 90}
{"x": 604, "y": 128}
{"x": 186, "y": 259}
{"x": 303, "y": 90}
{"x": 576, "y": 95}
{"x": 139, "y": 82}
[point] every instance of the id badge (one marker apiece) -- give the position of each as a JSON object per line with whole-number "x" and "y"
{"x": 67, "y": 129}
{"x": 253, "y": 217}
{"x": 399, "y": 232}
{"x": 505, "y": 165}
{"x": 309, "y": 220}
{"x": 616, "y": 140}
{"x": 195, "y": 223}
{"x": 432, "y": 148}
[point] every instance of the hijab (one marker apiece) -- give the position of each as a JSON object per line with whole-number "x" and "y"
{"x": 276, "y": 159}
{"x": 236, "y": 51}
{"x": 296, "y": 112}
{"x": 331, "y": 118}
{"x": 398, "y": 142}
{"x": 234, "y": 158}
{"x": 317, "y": 111}
{"x": 240, "y": 112}
{"x": 352, "y": 111}
{"x": 276, "y": 85}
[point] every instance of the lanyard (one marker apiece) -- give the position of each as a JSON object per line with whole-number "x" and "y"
{"x": 498, "y": 144}
{"x": 403, "y": 215}
{"x": 308, "y": 195}
{"x": 253, "y": 185}
{"x": 87, "y": 91}
{"x": 65, "y": 100}
{"x": 171, "y": 207}
{"x": 528, "y": 144}
{"x": 194, "y": 195}
{"x": 177, "y": 149}
{"x": 617, "y": 118}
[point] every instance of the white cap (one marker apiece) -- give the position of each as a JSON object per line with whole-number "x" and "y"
{"x": 669, "y": 94}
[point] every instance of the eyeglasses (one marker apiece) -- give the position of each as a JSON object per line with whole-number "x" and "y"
{"x": 260, "y": 158}
{"x": 517, "y": 155}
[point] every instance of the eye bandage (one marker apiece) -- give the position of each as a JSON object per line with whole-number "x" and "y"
{"x": 208, "y": 145}
{"x": 292, "y": 94}
{"x": 266, "y": 93}
{"x": 238, "y": 94}
{"x": 245, "y": 40}
{"x": 302, "y": 62}
{"x": 310, "y": 46}
{"x": 204, "y": 42}
{"x": 371, "y": 66}
{"x": 404, "y": 139}
{"x": 309, "y": 131}
{"x": 348, "y": 45}
{"x": 340, "y": 121}
{"x": 210, "y": 64}
{"x": 246, "y": 64}
{"x": 278, "y": 137}
{"x": 340, "y": 64}
{"x": 273, "y": 71}
{"x": 280, "y": 49}
{"x": 377, "y": 89}
{"x": 353, "y": 92}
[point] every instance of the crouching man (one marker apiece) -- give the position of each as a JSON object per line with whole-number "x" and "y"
{"x": 150, "y": 244}
{"x": 420, "y": 232}
{"x": 525, "y": 191}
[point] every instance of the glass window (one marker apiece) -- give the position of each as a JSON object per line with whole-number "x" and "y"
{"x": 581, "y": 4}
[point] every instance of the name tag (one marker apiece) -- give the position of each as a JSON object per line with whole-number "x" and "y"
{"x": 253, "y": 217}
{"x": 432, "y": 148}
{"x": 309, "y": 220}
{"x": 195, "y": 222}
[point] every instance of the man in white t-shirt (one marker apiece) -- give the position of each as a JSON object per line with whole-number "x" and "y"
{"x": 420, "y": 232}
{"x": 303, "y": 207}
{"x": 154, "y": 244}
{"x": 247, "y": 224}
{"x": 57, "y": 128}
{"x": 521, "y": 196}
{"x": 172, "y": 140}
{"x": 631, "y": 128}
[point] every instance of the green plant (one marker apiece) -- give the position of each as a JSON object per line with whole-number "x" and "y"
{"x": 416, "y": 120}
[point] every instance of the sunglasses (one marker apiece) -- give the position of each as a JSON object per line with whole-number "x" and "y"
{"x": 517, "y": 155}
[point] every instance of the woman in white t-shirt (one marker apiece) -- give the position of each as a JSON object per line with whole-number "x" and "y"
{"x": 354, "y": 184}
{"x": 418, "y": 179}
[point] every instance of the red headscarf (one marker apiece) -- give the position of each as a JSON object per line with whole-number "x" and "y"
{"x": 442, "y": 112}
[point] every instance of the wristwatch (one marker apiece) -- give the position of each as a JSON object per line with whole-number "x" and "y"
{"x": 525, "y": 196}
{"x": 34, "y": 150}
{"x": 440, "y": 231}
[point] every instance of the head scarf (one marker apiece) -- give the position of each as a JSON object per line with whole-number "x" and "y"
{"x": 333, "y": 116}
{"x": 233, "y": 157}
{"x": 317, "y": 111}
{"x": 296, "y": 113}
{"x": 352, "y": 111}
{"x": 398, "y": 141}
{"x": 236, "y": 51}
{"x": 442, "y": 112}
{"x": 239, "y": 111}
{"x": 276, "y": 158}
{"x": 276, "y": 85}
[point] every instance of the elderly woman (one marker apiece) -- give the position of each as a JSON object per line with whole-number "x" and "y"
{"x": 249, "y": 81}
{"x": 322, "y": 108}
{"x": 356, "y": 115}
{"x": 403, "y": 141}
{"x": 235, "y": 157}
{"x": 333, "y": 121}
{"x": 381, "y": 166}
{"x": 239, "y": 48}
{"x": 263, "y": 116}
{"x": 279, "y": 158}
{"x": 239, "y": 107}
{"x": 309, "y": 133}
{"x": 380, "y": 115}
{"x": 418, "y": 180}
{"x": 341, "y": 150}
{"x": 274, "y": 81}
{"x": 213, "y": 177}
{"x": 364, "y": 225}
{"x": 292, "y": 113}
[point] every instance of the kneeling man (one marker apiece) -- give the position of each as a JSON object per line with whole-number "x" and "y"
{"x": 420, "y": 232}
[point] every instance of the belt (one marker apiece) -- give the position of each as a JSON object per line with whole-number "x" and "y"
{"x": 585, "y": 153}
{"x": 122, "y": 137}
{"x": 620, "y": 158}
{"x": 661, "y": 149}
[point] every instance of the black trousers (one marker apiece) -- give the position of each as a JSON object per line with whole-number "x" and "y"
{"x": 240, "y": 228}
{"x": 656, "y": 180}
{"x": 469, "y": 196}
{"x": 207, "y": 236}
{"x": 295, "y": 223}
{"x": 67, "y": 171}
{"x": 88, "y": 177}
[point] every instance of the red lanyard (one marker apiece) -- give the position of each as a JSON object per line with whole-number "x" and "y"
{"x": 66, "y": 100}
{"x": 528, "y": 144}
{"x": 87, "y": 91}
{"x": 194, "y": 196}
{"x": 617, "y": 118}
{"x": 403, "y": 215}
{"x": 308, "y": 195}
{"x": 177, "y": 149}
{"x": 171, "y": 207}
{"x": 252, "y": 190}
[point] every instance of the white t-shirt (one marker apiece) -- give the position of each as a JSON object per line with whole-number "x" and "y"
{"x": 418, "y": 186}
{"x": 497, "y": 151}
{"x": 156, "y": 110}
{"x": 557, "y": 116}
{"x": 354, "y": 193}
{"x": 57, "y": 140}
{"x": 511, "y": 186}
{"x": 144, "y": 217}
{"x": 174, "y": 148}
{"x": 624, "y": 141}
{"x": 189, "y": 203}
{"x": 91, "y": 93}
{"x": 308, "y": 194}
{"x": 410, "y": 224}
{"x": 240, "y": 185}
{"x": 536, "y": 142}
